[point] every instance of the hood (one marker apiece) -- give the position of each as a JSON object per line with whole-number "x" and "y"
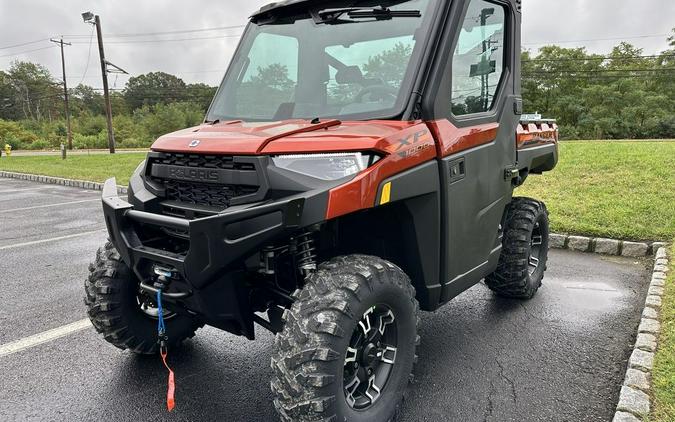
{"x": 288, "y": 136}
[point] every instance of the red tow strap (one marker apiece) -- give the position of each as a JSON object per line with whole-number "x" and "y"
{"x": 163, "y": 351}
{"x": 170, "y": 400}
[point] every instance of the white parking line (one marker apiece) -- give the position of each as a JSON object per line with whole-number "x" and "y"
{"x": 49, "y": 205}
{"x": 51, "y": 239}
{"x": 43, "y": 337}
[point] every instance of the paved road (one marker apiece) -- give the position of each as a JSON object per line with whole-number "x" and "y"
{"x": 558, "y": 357}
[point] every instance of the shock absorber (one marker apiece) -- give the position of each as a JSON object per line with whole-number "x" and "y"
{"x": 305, "y": 253}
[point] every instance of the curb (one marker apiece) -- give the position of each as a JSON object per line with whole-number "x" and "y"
{"x": 604, "y": 246}
{"x": 634, "y": 402}
{"x": 84, "y": 184}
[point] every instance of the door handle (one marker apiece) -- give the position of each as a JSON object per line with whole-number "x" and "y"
{"x": 457, "y": 169}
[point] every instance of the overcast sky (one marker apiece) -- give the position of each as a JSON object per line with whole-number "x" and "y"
{"x": 645, "y": 24}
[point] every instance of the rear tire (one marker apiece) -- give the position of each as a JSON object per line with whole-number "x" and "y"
{"x": 314, "y": 363}
{"x": 524, "y": 250}
{"x": 114, "y": 310}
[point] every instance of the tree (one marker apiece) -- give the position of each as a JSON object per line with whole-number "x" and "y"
{"x": 201, "y": 94}
{"x": 153, "y": 88}
{"x": 31, "y": 92}
{"x": 620, "y": 95}
{"x": 84, "y": 98}
{"x": 390, "y": 65}
{"x": 262, "y": 93}
{"x": 274, "y": 76}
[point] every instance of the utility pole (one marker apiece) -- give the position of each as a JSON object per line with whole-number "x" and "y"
{"x": 65, "y": 90}
{"x": 106, "y": 93}
{"x": 96, "y": 21}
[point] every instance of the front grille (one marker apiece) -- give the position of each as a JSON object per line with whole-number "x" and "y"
{"x": 181, "y": 177}
{"x": 207, "y": 194}
{"x": 202, "y": 161}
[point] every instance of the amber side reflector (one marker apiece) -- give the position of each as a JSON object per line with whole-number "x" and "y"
{"x": 386, "y": 193}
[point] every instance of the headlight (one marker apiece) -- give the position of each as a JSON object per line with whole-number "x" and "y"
{"x": 326, "y": 166}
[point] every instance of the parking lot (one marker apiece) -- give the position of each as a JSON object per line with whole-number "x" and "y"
{"x": 560, "y": 356}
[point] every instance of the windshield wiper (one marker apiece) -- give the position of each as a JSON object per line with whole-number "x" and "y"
{"x": 332, "y": 16}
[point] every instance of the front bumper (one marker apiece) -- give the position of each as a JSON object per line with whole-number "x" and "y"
{"x": 213, "y": 285}
{"x": 216, "y": 243}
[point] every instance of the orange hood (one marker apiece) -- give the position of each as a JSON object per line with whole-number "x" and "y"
{"x": 289, "y": 136}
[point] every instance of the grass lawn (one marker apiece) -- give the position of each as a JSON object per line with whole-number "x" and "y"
{"x": 612, "y": 189}
{"x": 664, "y": 363}
{"x": 96, "y": 168}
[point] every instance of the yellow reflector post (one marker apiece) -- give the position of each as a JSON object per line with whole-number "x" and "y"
{"x": 386, "y": 193}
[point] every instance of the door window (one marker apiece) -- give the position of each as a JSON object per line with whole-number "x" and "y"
{"x": 478, "y": 59}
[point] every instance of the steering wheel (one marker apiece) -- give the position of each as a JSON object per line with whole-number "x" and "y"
{"x": 378, "y": 91}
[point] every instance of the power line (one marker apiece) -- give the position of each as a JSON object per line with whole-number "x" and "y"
{"x": 86, "y": 67}
{"x": 597, "y": 39}
{"x": 571, "y": 77}
{"x": 24, "y": 43}
{"x": 168, "y": 40}
{"x": 534, "y": 60}
{"x": 599, "y": 71}
{"x": 182, "y": 31}
{"x": 27, "y": 51}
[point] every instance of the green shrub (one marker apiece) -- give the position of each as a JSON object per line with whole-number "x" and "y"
{"x": 13, "y": 134}
{"x": 99, "y": 141}
{"x": 165, "y": 118}
{"x": 39, "y": 144}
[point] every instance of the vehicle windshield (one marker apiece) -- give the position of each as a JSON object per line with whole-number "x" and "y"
{"x": 352, "y": 65}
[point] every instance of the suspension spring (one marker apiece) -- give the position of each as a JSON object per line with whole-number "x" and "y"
{"x": 305, "y": 254}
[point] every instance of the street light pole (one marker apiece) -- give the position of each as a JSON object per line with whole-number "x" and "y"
{"x": 106, "y": 93}
{"x": 88, "y": 18}
{"x": 65, "y": 91}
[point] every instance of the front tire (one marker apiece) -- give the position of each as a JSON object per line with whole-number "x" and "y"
{"x": 112, "y": 300}
{"x": 524, "y": 250}
{"x": 348, "y": 346}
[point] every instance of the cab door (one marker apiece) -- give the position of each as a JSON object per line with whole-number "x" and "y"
{"x": 473, "y": 114}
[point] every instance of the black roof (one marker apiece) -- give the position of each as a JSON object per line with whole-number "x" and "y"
{"x": 290, "y": 6}
{"x": 285, "y": 4}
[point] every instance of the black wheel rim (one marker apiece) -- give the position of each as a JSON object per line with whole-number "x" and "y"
{"x": 535, "y": 249}
{"x": 370, "y": 357}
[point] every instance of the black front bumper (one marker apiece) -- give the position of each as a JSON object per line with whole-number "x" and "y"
{"x": 216, "y": 242}
{"x": 212, "y": 266}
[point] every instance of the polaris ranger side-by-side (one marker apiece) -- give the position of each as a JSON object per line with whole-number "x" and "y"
{"x": 356, "y": 164}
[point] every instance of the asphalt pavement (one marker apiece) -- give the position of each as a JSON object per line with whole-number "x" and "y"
{"x": 558, "y": 357}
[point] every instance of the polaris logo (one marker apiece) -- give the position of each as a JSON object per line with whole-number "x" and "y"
{"x": 194, "y": 143}
{"x": 182, "y": 173}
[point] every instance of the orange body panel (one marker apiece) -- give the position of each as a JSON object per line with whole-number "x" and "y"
{"x": 284, "y": 137}
{"x": 452, "y": 139}
{"x": 406, "y": 149}
{"x": 530, "y": 135}
{"x": 402, "y": 145}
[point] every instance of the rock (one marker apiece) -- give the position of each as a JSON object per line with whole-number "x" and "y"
{"x": 633, "y": 401}
{"x": 634, "y": 249}
{"x": 578, "y": 243}
{"x": 607, "y": 246}
{"x": 624, "y": 417}
{"x": 650, "y": 313}
{"x": 653, "y": 301}
{"x": 640, "y": 359}
{"x": 637, "y": 379}
{"x": 646, "y": 342}
{"x": 650, "y": 326}
{"x": 556, "y": 241}
{"x": 655, "y": 290}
